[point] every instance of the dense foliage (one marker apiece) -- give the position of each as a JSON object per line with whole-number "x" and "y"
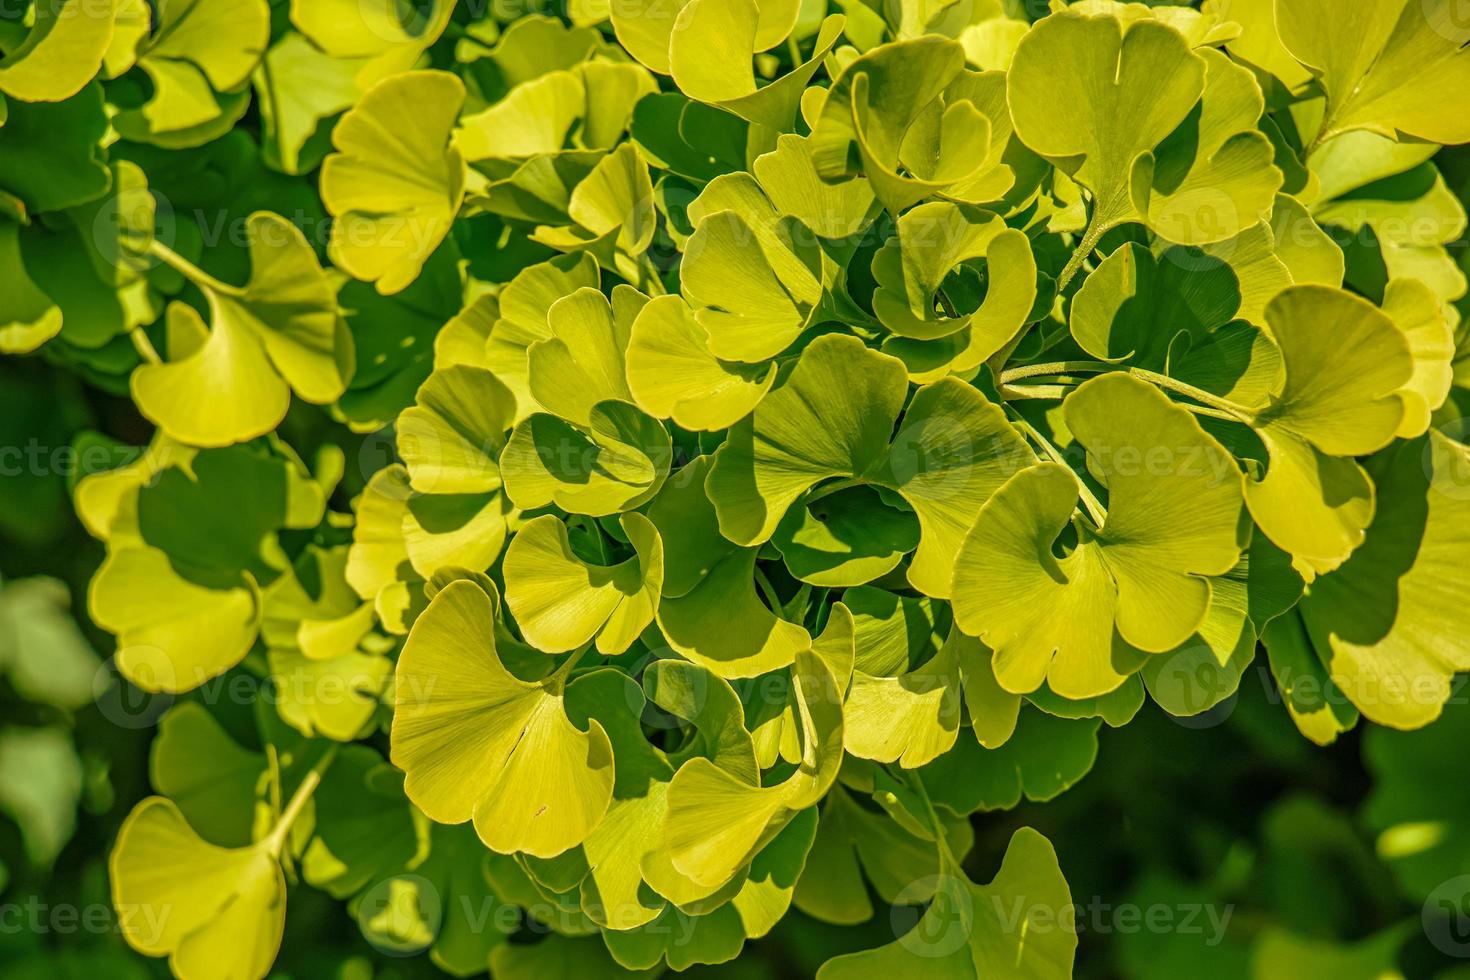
{"x": 594, "y": 486}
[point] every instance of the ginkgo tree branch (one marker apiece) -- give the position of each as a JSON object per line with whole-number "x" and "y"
{"x": 1220, "y": 407}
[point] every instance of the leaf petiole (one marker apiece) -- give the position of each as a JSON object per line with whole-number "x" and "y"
{"x": 1081, "y": 253}
{"x": 191, "y": 271}
{"x": 1094, "y": 506}
{"x": 144, "y": 346}
{"x": 276, "y": 842}
{"x": 1221, "y": 407}
{"x": 559, "y": 676}
{"x": 769, "y": 591}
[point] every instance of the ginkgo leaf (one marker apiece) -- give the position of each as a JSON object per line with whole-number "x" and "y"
{"x": 50, "y": 153}
{"x": 1202, "y": 28}
{"x": 788, "y": 175}
{"x": 524, "y": 305}
{"x": 336, "y": 697}
{"x": 173, "y": 634}
{"x": 710, "y": 51}
{"x": 912, "y": 718}
{"x": 1319, "y": 710}
{"x": 1363, "y": 56}
{"x": 394, "y": 208}
{"x": 561, "y": 602}
{"x": 198, "y": 58}
{"x": 646, "y": 28}
{"x": 478, "y": 742}
{"x": 971, "y": 931}
{"x": 886, "y": 112}
{"x": 28, "y": 317}
{"x": 832, "y": 418}
{"x": 1417, "y": 312}
{"x": 710, "y": 612}
{"x": 450, "y": 437}
{"x": 280, "y": 329}
{"x": 614, "y": 213}
{"x": 61, "y": 53}
{"x": 846, "y": 538}
{"x": 384, "y": 38}
{"x": 1259, "y": 43}
{"x": 932, "y": 241}
{"x": 1174, "y": 504}
{"x": 855, "y": 843}
{"x": 1215, "y": 175}
{"x": 312, "y": 608}
{"x": 613, "y": 893}
{"x": 214, "y": 912}
{"x": 1097, "y": 97}
{"x": 533, "y": 119}
{"x": 615, "y": 463}
{"x": 672, "y": 374}
{"x": 1043, "y": 757}
{"x": 299, "y": 88}
{"x": 204, "y": 772}
{"x": 364, "y": 828}
{"x": 1315, "y": 501}
{"x": 1379, "y": 622}
{"x": 835, "y": 417}
{"x": 756, "y": 280}
{"x": 1135, "y": 304}
{"x": 378, "y": 566}
{"x": 716, "y": 820}
{"x": 582, "y": 362}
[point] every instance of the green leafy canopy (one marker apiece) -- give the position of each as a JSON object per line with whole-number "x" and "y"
{"x": 676, "y": 460}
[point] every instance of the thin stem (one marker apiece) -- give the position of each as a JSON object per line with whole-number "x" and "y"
{"x": 794, "y": 50}
{"x": 1234, "y": 411}
{"x": 650, "y": 280}
{"x": 144, "y": 346}
{"x": 797, "y": 607}
{"x": 559, "y": 676}
{"x": 1094, "y": 506}
{"x": 913, "y": 779}
{"x": 1045, "y": 392}
{"x": 1055, "y": 367}
{"x": 276, "y": 842}
{"x": 948, "y": 304}
{"x": 1084, "y": 249}
{"x": 191, "y": 271}
{"x": 769, "y": 591}
{"x": 1223, "y": 408}
{"x": 836, "y": 486}
{"x": 1210, "y": 413}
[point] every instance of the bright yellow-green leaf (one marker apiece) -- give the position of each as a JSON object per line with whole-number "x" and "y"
{"x": 561, "y": 602}
{"x": 216, "y": 913}
{"x": 1344, "y": 363}
{"x": 280, "y": 329}
{"x": 1365, "y": 55}
{"x": 1174, "y": 504}
{"x": 395, "y": 183}
{"x": 478, "y": 742}
{"x": 1097, "y": 97}
{"x": 61, "y": 53}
